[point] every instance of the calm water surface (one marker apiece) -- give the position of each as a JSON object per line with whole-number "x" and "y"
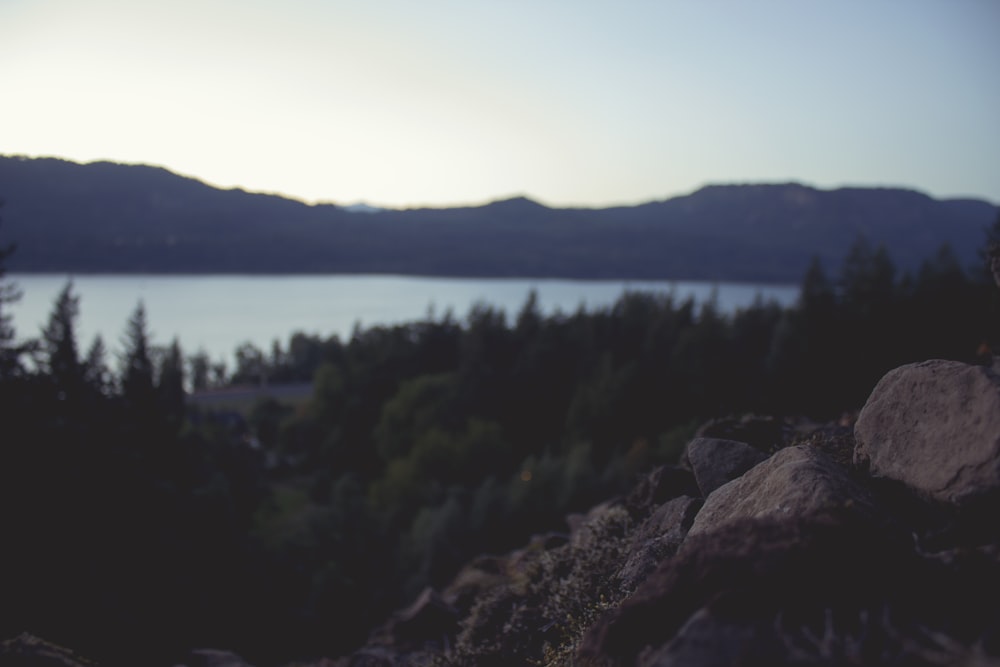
{"x": 218, "y": 313}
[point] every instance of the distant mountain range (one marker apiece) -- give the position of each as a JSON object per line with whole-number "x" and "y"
{"x": 111, "y": 218}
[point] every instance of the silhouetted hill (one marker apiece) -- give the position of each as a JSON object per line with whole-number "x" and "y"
{"x": 105, "y": 217}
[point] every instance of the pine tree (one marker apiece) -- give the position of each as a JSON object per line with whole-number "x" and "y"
{"x": 867, "y": 279}
{"x": 137, "y": 366}
{"x": 62, "y": 361}
{"x": 200, "y": 368}
{"x": 988, "y": 274}
{"x": 817, "y": 297}
{"x": 170, "y": 385}
{"x": 95, "y": 367}
{"x": 10, "y": 352}
{"x": 991, "y": 251}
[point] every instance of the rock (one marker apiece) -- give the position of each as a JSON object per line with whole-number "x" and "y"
{"x": 663, "y": 484}
{"x": 375, "y": 656}
{"x": 798, "y": 560}
{"x": 473, "y": 581}
{"x": 743, "y": 559}
{"x": 716, "y": 461}
{"x": 590, "y": 526}
{"x": 830, "y": 587}
{"x": 836, "y": 440}
{"x": 708, "y": 640}
{"x": 31, "y": 651}
{"x": 505, "y": 627}
{"x": 430, "y": 620}
{"x": 763, "y": 432}
{"x": 521, "y": 560}
{"x": 429, "y": 625}
{"x": 794, "y": 481}
{"x": 206, "y": 657}
{"x": 934, "y": 426}
{"x": 674, "y": 516}
{"x": 657, "y": 538}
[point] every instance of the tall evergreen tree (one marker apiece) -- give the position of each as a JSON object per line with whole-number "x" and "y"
{"x": 10, "y": 352}
{"x": 817, "y": 295}
{"x": 805, "y": 362}
{"x": 95, "y": 367}
{"x": 867, "y": 279}
{"x": 170, "y": 385}
{"x": 988, "y": 269}
{"x": 61, "y": 358}
{"x": 988, "y": 275}
{"x": 200, "y": 369}
{"x": 137, "y": 366}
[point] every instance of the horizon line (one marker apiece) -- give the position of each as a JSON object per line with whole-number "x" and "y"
{"x": 511, "y": 196}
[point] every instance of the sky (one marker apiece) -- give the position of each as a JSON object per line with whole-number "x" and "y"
{"x": 570, "y": 102}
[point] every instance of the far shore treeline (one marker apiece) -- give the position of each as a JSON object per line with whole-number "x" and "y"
{"x": 114, "y": 218}
{"x": 136, "y": 525}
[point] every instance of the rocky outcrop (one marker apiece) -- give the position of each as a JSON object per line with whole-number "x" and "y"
{"x": 934, "y": 426}
{"x": 794, "y": 481}
{"x": 773, "y": 553}
{"x": 760, "y": 431}
{"x": 663, "y": 484}
{"x": 716, "y": 461}
{"x": 425, "y": 628}
{"x": 26, "y": 650}
{"x": 214, "y": 658}
{"x": 657, "y": 538}
{"x": 830, "y": 587}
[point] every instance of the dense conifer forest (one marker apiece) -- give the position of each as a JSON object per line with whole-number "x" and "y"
{"x": 137, "y": 525}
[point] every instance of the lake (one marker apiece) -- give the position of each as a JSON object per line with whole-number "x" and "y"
{"x": 217, "y": 313}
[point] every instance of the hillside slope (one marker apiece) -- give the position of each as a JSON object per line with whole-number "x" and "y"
{"x": 805, "y": 546}
{"x": 774, "y": 543}
{"x": 105, "y": 217}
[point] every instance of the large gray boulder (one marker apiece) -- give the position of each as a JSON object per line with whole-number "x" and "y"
{"x": 793, "y": 482}
{"x": 934, "y": 426}
{"x": 716, "y": 461}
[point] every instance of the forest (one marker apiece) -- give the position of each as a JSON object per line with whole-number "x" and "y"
{"x": 137, "y": 526}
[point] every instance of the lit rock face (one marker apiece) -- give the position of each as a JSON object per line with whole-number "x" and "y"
{"x": 793, "y": 482}
{"x": 934, "y": 426}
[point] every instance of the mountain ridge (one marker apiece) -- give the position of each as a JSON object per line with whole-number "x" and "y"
{"x": 115, "y": 218}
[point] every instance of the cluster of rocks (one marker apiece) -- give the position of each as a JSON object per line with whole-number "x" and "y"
{"x": 867, "y": 546}
{"x": 768, "y": 544}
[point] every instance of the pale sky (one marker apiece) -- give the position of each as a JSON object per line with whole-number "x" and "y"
{"x": 570, "y": 102}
